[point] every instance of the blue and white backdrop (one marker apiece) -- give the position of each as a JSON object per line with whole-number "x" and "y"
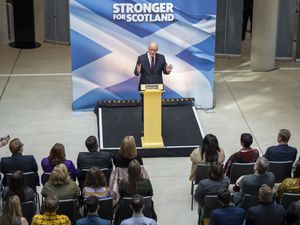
{"x": 107, "y": 36}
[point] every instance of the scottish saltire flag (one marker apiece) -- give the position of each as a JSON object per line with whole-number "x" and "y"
{"x": 107, "y": 36}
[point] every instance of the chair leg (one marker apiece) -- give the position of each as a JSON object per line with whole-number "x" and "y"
{"x": 192, "y": 204}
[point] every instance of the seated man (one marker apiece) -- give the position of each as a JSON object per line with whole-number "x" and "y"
{"x": 93, "y": 157}
{"x": 267, "y": 212}
{"x": 92, "y": 206}
{"x": 250, "y": 184}
{"x": 18, "y": 161}
{"x": 228, "y": 214}
{"x": 282, "y": 152}
{"x": 245, "y": 155}
{"x": 50, "y": 206}
{"x": 137, "y": 205}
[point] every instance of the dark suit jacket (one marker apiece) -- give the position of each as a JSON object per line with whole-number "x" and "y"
{"x": 148, "y": 77}
{"x": 25, "y": 163}
{"x": 266, "y": 214}
{"x": 86, "y": 160}
{"x": 281, "y": 152}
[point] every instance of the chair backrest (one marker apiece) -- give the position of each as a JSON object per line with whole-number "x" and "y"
{"x": 288, "y": 198}
{"x": 201, "y": 172}
{"x": 210, "y": 203}
{"x": 28, "y": 210}
{"x": 126, "y": 211}
{"x": 106, "y": 210}
{"x": 68, "y": 207}
{"x": 83, "y": 173}
{"x": 30, "y": 179}
{"x": 240, "y": 169}
{"x": 45, "y": 177}
{"x": 281, "y": 170}
{"x": 249, "y": 201}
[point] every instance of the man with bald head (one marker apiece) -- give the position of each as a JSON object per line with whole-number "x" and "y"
{"x": 151, "y": 65}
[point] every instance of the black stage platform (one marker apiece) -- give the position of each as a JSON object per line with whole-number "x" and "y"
{"x": 181, "y": 129}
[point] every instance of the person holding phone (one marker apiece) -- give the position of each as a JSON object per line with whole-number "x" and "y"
{"x": 4, "y": 140}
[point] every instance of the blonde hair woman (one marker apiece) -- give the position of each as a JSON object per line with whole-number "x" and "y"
{"x": 127, "y": 153}
{"x": 12, "y": 212}
{"x": 60, "y": 184}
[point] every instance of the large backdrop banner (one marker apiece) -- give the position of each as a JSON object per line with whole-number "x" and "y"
{"x": 107, "y": 36}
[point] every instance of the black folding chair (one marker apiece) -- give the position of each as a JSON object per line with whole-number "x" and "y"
{"x": 201, "y": 174}
{"x": 281, "y": 170}
{"x": 288, "y": 198}
{"x": 70, "y": 208}
{"x": 240, "y": 169}
{"x": 249, "y": 201}
{"x": 126, "y": 211}
{"x": 28, "y": 210}
{"x": 210, "y": 203}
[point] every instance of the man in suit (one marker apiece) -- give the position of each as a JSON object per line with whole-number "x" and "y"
{"x": 267, "y": 212}
{"x": 18, "y": 161}
{"x": 151, "y": 65}
{"x": 93, "y": 157}
{"x": 282, "y": 152}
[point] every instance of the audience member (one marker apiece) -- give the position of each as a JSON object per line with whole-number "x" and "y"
{"x": 18, "y": 161}
{"x": 57, "y": 155}
{"x": 17, "y": 186}
{"x": 137, "y": 206}
{"x": 60, "y": 184}
{"x": 95, "y": 184}
{"x": 4, "y": 140}
{"x": 94, "y": 157}
{"x": 245, "y": 155}
{"x": 127, "y": 153}
{"x": 50, "y": 206}
{"x": 228, "y": 214}
{"x": 282, "y": 152}
{"x": 135, "y": 184}
{"x": 293, "y": 213}
{"x": 267, "y": 212}
{"x": 250, "y": 184}
{"x": 12, "y": 212}
{"x": 92, "y": 218}
{"x": 208, "y": 152}
{"x": 212, "y": 184}
{"x": 290, "y": 184}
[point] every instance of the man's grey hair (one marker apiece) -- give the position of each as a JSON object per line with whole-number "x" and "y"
{"x": 262, "y": 165}
{"x": 284, "y": 134}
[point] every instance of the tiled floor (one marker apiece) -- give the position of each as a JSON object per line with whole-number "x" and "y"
{"x": 36, "y": 91}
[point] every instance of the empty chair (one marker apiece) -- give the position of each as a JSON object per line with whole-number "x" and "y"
{"x": 240, "y": 169}
{"x": 28, "y": 210}
{"x": 249, "y": 201}
{"x": 201, "y": 174}
{"x": 211, "y": 202}
{"x": 288, "y": 198}
{"x": 281, "y": 169}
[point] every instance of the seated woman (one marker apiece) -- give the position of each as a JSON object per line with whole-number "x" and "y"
{"x": 245, "y": 155}
{"x": 60, "y": 184}
{"x": 57, "y": 155}
{"x": 135, "y": 184}
{"x": 208, "y": 152}
{"x": 127, "y": 153}
{"x": 212, "y": 184}
{"x": 290, "y": 184}
{"x": 18, "y": 187}
{"x": 95, "y": 184}
{"x": 12, "y": 212}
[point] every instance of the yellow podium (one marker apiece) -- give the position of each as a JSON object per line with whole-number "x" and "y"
{"x": 152, "y": 115}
